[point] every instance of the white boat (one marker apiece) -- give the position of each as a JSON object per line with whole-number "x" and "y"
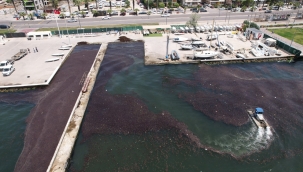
{"x": 174, "y": 55}
{"x": 205, "y": 54}
{"x": 179, "y": 39}
{"x": 52, "y": 60}
{"x": 187, "y": 47}
{"x": 178, "y": 33}
{"x": 197, "y": 43}
{"x": 58, "y": 54}
{"x": 202, "y": 29}
{"x": 64, "y": 48}
{"x": 196, "y": 39}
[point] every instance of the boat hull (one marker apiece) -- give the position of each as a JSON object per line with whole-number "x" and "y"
{"x": 174, "y": 55}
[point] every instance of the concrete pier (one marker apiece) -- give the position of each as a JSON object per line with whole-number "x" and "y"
{"x": 65, "y": 146}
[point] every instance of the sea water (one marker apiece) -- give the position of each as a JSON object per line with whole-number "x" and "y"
{"x": 233, "y": 148}
{"x": 12, "y": 128}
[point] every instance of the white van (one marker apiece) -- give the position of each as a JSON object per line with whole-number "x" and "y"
{"x": 7, "y": 70}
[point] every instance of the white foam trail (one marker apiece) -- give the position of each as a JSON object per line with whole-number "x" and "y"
{"x": 242, "y": 142}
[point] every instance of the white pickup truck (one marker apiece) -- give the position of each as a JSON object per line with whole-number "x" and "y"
{"x": 5, "y": 63}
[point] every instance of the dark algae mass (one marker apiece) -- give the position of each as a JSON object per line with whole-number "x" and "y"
{"x": 190, "y": 117}
{"x": 53, "y": 105}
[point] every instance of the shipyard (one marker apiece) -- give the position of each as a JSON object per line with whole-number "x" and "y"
{"x": 87, "y": 83}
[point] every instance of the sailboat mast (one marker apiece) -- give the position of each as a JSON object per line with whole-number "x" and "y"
{"x": 211, "y": 34}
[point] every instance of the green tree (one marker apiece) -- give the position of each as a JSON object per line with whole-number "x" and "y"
{"x": 95, "y": 13}
{"x": 127, "y": 3}
{"x": 148, "y": 13}
{"x": 296, "y": 5}
{"x": 193, "y": 20}
{"x": 170, "y": 4}
{"x": 136, "y": 10}
{"x": 55, "y": 3}
{"x": 62, "y": 15}
{"x": 43, "y": 15}
{"x": 83, "y": 14}
{"x": 280, "y": 4}
{"x": 243, "y": 9}
{"x": 31, "y": 16}
{"x": 86, "y": 4}
{"x": 176, "y": 5}
{"x": 247, "y": 24}
{"x": 22, "y": 14}
{"x": 109, "y": 12}
{"x": 123, "y": 10}
{"x": 161, "y": 5}
{"x": 78, "y": 3}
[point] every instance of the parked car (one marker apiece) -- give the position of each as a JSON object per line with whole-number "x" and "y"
{"x": 105, "y": 18}
{"x": 114, "y": 13}
{"x": 72, "y": 20}
{"x": 3, "y": 26}
{"x": 165, "y": 15}
{"x": 142, "y": 12}
{"x": 122, "y": 14}
{"x": 267, "y": 11}
{"x": 203, "y": 10}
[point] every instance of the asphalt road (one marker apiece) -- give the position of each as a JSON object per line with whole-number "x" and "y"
{"x": 156, "y": 18}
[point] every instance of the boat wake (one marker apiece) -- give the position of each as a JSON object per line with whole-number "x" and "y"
{"x": 241, "y": 143}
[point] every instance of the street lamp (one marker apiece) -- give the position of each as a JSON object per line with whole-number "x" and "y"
{"x": 58, "y": 27}
{"x": 67, "y": 32}
{"x": 79, "y": 21}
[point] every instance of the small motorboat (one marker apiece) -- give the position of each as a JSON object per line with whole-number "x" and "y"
{"x": 241, "y": 56}
{"x": 180, "y": 39}
{"x": 174, "y": 55}
{"x": 198, "y": 44}
{"x": 52, "y": 60}
{"x": 205, "y": 54}
{"x": 196, "y": 39}
{"x": 64, "y": 48}
{"x": 187, "y": 47}
{"x": 58, "y": 54}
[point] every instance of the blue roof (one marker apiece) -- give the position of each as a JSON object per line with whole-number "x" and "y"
{"x": 258, "y": 109}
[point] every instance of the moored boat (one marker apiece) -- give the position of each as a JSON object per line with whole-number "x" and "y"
{"x": 205, "y": 54}
{"x": 58, "y": 54}
{"x": 64, "y": 48}
{"x": 186, "y": 47}
{"x": 174, "y": 55}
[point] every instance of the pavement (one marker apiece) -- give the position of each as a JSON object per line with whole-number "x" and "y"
{"x": 32, "y": 69}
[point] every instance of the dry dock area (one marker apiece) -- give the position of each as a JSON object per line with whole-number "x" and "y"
{"x": 155, "y": 48}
